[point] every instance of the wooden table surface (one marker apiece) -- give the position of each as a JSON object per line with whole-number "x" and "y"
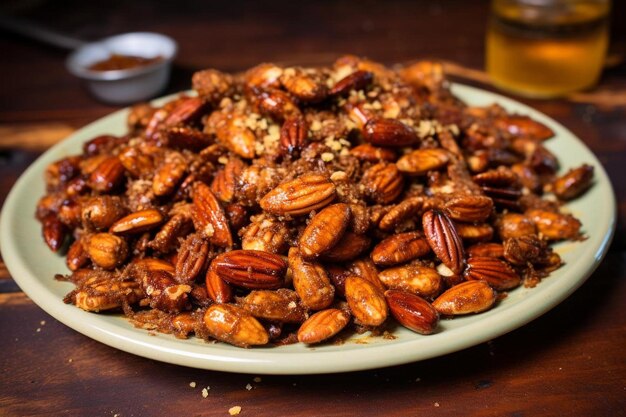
{"x": 570, "y": 361}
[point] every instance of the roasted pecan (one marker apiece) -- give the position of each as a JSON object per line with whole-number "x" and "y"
{"x": 169, "y": 174}
{"x": 299, "y": 196}
{"x": 383, "y": 183}
{"x": 469, "y": 208}
{"x": 441, "y": 234}
{"x": 404, "y": 211}
{"x": 495, "y": 272}
{"x": 103, "y": 293}
{"x": 191, "y": 259}
{"x": 293, "y": 135}
{"x": 308, "y": 86}
{"x": 164, "y": 292}
{"x": 474, "y": 232}
{"x": 167, "y": 238}
{"x": 267, "y": 235}
{"x": 502, "y": 185}
{"x": 494, "y": 250}
{"x": 524, "y": 249}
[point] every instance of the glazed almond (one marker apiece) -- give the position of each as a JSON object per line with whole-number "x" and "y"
{"x": 251, "y": 269}
{"x": 466, "y": 298}
{"x": 108, "y": 175}
{"x": 412, "y": 311}
{"x": 358, "y": 80}
{"x": 322, "y": 326}
{"x": 400, "y": 248}
{"x": 389, "y": 132}
{"x": 367, "y": 303}
{"x": 573, "y": 183}
{"x": 209, "y": 217}
{"x": 416, "y": 279}
{"x": 324, "y": 230}
{"x": 191, "y": 258}
{"x": 310, "y": 281}
{"x": 421, "y": 161}
{"x": 367, "y": 152}
{"x": 281, "y": 305}
{"x": 217, "y": 289}
{"x": 350, "y": 246}
{"x": 137, "y": 222}
{"x": 231, "y": 324}
{"x": 555, "y": 226}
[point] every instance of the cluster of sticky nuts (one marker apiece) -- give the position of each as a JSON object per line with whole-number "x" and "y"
{"x": 286, "y": 204}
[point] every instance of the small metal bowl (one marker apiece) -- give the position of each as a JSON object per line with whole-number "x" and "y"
{"x": 127, "y": 85}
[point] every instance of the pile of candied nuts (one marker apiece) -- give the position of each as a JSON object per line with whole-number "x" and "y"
{"x": 286, "y": 204}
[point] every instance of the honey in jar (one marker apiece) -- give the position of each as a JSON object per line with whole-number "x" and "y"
{"x": 546, "y": 48}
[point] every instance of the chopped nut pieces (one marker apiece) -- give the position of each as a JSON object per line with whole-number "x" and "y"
{"x": 287, "y": 205}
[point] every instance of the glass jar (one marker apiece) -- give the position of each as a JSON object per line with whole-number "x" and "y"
{"x": 547, "y": 48}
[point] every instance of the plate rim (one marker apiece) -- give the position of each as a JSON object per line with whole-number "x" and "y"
{"x": 311, "y": 360}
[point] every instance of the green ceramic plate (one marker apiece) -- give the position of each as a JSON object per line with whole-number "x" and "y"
{"x": 33, "y": 266}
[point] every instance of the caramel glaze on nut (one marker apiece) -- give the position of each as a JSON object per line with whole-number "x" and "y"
{"x": 287, "y": 204}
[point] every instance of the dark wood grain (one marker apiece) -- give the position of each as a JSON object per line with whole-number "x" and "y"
{"x": 569, "y": 362}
